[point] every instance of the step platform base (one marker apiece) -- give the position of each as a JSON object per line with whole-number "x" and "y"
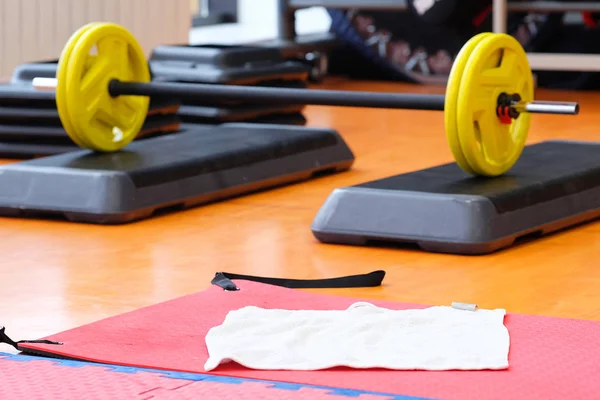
{"x": 198, "y": 165}
{"x": 554, "y": 185}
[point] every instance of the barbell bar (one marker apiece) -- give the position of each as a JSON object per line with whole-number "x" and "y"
{"x": 342, "y": 98}
{"x": 103, "y": 97}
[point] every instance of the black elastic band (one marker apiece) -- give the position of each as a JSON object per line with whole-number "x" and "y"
{"x": 372, "y": 279}
{"x": 5, "y": 339}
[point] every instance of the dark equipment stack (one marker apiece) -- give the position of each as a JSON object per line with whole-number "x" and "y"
{"x": 207, "y": 159}
{"x": 231, "y": 65}
{"x": 30, "y": 126}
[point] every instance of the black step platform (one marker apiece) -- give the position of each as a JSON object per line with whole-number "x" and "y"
{"x": 39, "y": 140}
{"x": 233, "y": 114}
{"x": 230, "y": 65}
{"x": 30, "y": 125}
{"x": 198, "y": 165}
{"x": 554, "y": 185}
{"x": 223, "y": 64}
{"x": 38, "y": 132}
{"x": 24, "y": 73}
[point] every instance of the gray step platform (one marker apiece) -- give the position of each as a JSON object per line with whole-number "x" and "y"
{"x": 554, "y": 185}
{"x": 198, "y": 165}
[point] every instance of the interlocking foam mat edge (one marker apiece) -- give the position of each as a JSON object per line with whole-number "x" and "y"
{"x": 29, "y": 377}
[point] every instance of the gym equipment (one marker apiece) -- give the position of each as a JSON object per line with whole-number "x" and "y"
{"x": 23, "y": 95}
{"x": 223, "y": 64}
{"x": 487, "y": 105}
{"x": 220, "y": 112}
{"x": 297, "y": 119}
{"x": 20, "y": 104}
{"x": 231, "y": 114}
{"x": 554, "y": 185}
{"x": 192, "y": 111}
{"x": 550, "y": 358}
{"x": 194, "y": 166}
{"x": 30, "y": 125}
{"x": 25, "y": 73}
{"x": 48, "y": 118}
{"x": 24, "y": 150}
{"x": 32, "y": 141}
{"x": 39, "y": 132}
{"x": 232, "y": 103}
{"x": 238, "y": 62}
{"x": 23, "y": 142}
{"x": 231, "y": 65}
{"x": 35, "y": 140}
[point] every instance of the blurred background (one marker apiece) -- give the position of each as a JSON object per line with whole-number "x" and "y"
{"x": 413, "y": 40}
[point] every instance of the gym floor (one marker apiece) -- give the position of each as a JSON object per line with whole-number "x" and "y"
{"x": 58, "y": 275}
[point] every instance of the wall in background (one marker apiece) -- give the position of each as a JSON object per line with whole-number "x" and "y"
{"x": 37, "y": 30}
{"x": 211, "y": 12}
{"x": 257, "y": 20}
{"x": 33, "y": 30}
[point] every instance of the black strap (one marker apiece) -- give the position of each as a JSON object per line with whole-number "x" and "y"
{"x": 5, "y": 339}
{"x": 372, "y": 279}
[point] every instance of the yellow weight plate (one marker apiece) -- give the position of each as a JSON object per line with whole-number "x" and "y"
{"x": 61, "y": 77}
{"x": 104, "y": 122}
{"x": 498, "y": 64}
{"x": 451, "y": 100}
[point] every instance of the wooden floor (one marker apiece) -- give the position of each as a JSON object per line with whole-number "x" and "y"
{"x": 58, "y": 275}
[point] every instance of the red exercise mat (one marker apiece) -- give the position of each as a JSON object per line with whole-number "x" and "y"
{"x": 550, "y": 358}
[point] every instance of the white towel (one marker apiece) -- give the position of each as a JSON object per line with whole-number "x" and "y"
{"x": 363, "y": 336}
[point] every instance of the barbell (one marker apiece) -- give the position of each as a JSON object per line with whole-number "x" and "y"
{"x": 102, "y": 96}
